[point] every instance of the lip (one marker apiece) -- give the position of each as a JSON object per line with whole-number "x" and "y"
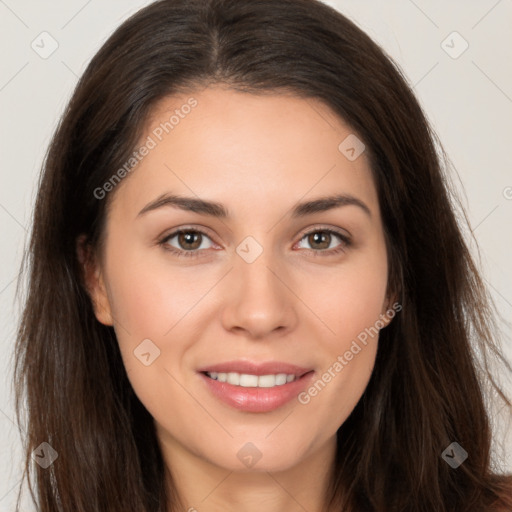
{"x": 265, "y": 368}
{"x": 255, "y": 399}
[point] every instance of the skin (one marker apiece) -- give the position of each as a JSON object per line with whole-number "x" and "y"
{"x": 258, "y": 155}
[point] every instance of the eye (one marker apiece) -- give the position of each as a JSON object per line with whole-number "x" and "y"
{"x": 188, "y": 241}
{"x": 321, "y": 240}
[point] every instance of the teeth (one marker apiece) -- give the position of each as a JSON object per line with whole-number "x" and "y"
{"x": 248, "y": 381}
{"x": 252, "y": 381}
{"x": 233, "y": 378}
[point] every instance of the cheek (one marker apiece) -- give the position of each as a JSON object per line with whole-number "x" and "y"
{"x": 350, "y": 300}
{"x": 350, "y": 305}
{"x": 150, "y": 303}
{"x": 147, "y": 297}
{"x": 150, "y": 300}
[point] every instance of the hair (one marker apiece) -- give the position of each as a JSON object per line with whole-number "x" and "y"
{"x": 428, "y": 386}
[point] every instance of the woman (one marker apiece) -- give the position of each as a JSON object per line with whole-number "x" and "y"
{"x": 186, "y": 345}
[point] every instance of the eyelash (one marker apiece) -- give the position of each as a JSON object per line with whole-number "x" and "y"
{"x": 346, "y": 242}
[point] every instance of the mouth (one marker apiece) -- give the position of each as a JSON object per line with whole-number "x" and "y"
{"x": 256, "y": 388}
{"x": 247, "y": 380}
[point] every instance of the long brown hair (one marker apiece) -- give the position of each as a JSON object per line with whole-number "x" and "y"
{"x": 428, "y": 385}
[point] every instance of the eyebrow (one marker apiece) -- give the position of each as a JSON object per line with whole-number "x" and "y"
{"x": 214, "y": 209}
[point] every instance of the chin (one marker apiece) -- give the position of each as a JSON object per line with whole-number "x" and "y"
{"x": 256, "y": 456}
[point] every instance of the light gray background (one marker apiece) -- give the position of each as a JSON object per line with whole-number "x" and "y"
{"x": 468, "y": 99}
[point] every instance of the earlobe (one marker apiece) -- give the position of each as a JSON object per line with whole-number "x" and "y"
{"x": 388, "y": 312}
{"x": 93, "y": 282}
{"x": 385, "y": 319}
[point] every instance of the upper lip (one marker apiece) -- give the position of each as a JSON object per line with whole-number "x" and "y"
{"x": 263, "y": 368}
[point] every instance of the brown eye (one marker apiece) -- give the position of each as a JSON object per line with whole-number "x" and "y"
{"x": 320, "y": 241}
{"x": 189, "y": 240}
{"x": 186, "y": 242}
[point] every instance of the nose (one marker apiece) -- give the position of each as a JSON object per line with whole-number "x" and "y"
{"x": 259, "y": 298}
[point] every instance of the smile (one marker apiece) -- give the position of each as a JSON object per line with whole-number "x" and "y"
{"x": 252, "y": 381}
{"x": 255, "y": 393}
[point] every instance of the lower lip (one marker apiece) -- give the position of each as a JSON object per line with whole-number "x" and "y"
{"x": 257, "y": 399}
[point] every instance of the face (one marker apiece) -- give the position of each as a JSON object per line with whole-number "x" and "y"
{"x": 276, "y": 299}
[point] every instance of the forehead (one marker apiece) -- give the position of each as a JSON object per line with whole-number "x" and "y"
{"x": 245, "y": 150}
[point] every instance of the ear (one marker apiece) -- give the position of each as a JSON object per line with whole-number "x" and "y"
{"x": 93, "y": 282}
{"x": 388, "y": 310}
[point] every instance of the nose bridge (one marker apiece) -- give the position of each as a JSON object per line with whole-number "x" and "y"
{"x": 257, "y": 300}
{"x": 253, "y": 270}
